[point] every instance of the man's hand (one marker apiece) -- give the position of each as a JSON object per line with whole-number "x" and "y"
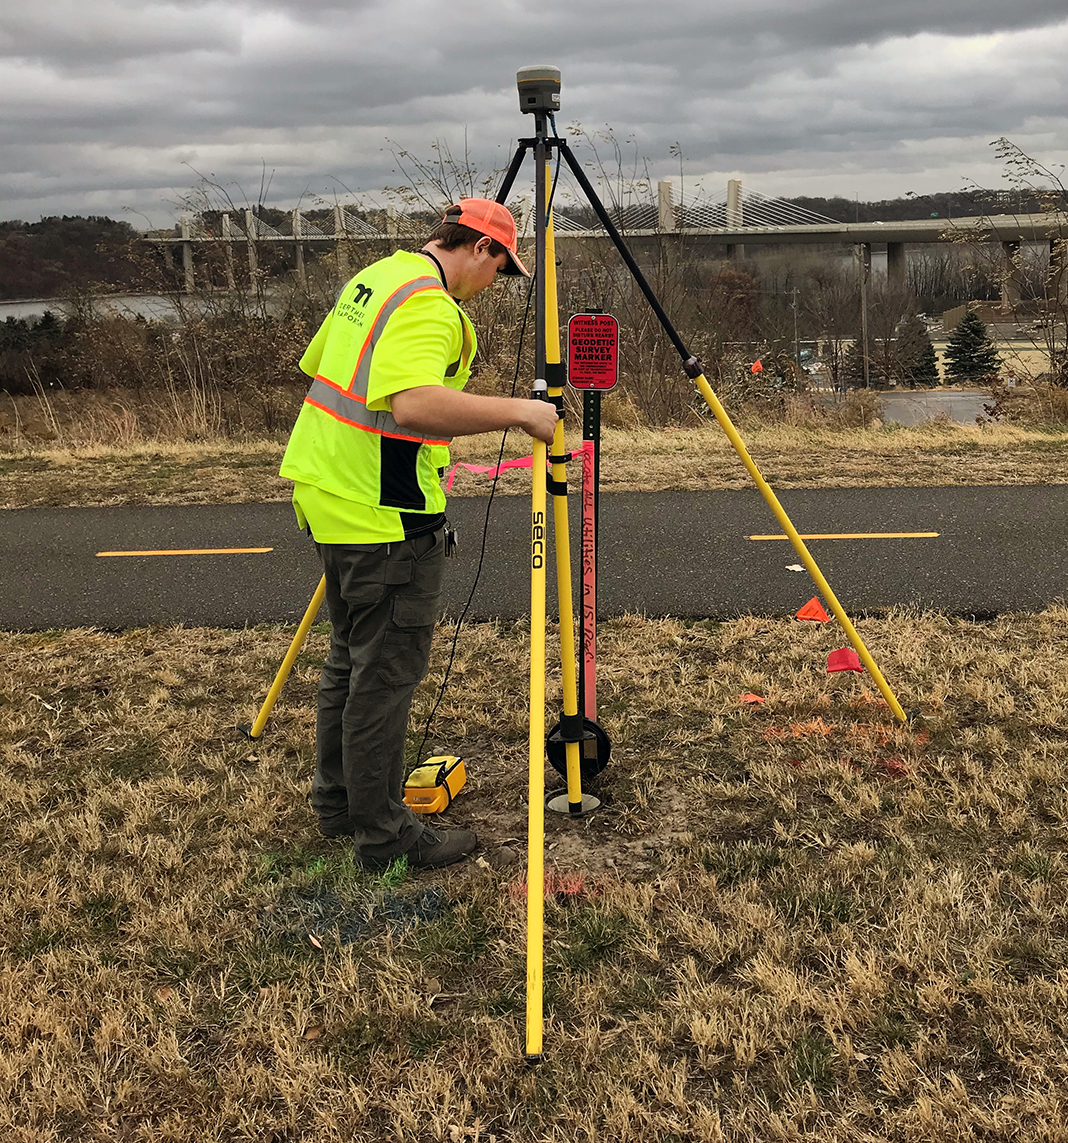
{"x": 539, "y": 419}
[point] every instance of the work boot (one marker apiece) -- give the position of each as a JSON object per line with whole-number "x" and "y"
{"x": 438, "y": 847}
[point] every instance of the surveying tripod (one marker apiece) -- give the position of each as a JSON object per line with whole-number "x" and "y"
{"x": 539, "y": 95}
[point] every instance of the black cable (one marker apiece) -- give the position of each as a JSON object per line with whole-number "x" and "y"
{"x": 496, "y": 477}
{"x": 485, "y": 532}
{"x": 556, "y": 173}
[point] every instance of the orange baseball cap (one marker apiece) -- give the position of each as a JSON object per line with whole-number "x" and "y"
{"x": 492, "y": 219}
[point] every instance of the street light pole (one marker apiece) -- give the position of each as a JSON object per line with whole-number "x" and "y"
{"x": 864, "y": 251}
{"x": 797, "y": 343}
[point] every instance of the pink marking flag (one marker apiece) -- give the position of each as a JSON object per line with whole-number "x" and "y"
{"x": 844, "y": 659}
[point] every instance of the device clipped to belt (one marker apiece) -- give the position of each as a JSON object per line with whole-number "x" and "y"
{"x": 430, "y": 788}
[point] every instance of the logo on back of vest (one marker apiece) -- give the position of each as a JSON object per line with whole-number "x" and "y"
{"x": 362, "y": 295}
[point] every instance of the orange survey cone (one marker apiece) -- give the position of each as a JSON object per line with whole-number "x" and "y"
{"x": 814, "y": 610}
{"x": 844, "y": 659}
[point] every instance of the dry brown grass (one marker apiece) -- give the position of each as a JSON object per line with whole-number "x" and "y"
{"x": 790, "y": 922}
{"x": 216, "y": 472}
{"x": 790, "y": 456}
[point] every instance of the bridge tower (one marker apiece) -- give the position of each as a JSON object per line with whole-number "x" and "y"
{"x": 735, "y": 217}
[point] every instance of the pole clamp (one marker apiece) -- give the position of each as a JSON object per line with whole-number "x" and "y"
{"x": 563, "y": 458}
{"x": 571, "y": 728}
{"x": 555, "y": 374}
{"x": 555, "y": 487}
{"x": 693, "y": 368}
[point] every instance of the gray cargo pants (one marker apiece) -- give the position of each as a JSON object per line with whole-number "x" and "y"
{"x": 384, "y": 600}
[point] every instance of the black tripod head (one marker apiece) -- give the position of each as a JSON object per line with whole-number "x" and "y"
{"x": 539, "y": 89}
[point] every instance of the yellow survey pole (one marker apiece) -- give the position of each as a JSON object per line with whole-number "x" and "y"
{"x": 799, "y": 545}
{"x": 256, "y": 729}
{"x": 561, "y": 532}
{"x": 536, "y": 794}
{"x": 535, "y": 1022}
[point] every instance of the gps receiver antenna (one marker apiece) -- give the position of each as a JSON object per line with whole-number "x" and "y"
{"x": 539, "y": 89}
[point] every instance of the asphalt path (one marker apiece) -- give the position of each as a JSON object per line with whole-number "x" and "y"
{"x": 668, "y": 553}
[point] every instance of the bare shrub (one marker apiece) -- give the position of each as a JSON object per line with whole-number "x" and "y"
{"x": 860, "y": 410}
{"x": 1029, "y": 403}
{"x": 213, "y": 375}
{"x": 802, "y": 410}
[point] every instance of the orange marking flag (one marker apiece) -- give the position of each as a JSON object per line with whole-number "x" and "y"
{"x": 814, "y": 610}
{"x": 750, "y": 697}
{"x": 757, "y": 366}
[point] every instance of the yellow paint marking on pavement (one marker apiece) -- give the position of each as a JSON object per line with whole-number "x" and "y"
{"x": 857, "y": 536}
{"x": 193, "y": 552}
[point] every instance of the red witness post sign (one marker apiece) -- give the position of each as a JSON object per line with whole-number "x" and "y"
{"x": 592, "y": 351}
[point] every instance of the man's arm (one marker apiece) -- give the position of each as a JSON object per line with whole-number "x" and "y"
{"x": 452, "y": 413}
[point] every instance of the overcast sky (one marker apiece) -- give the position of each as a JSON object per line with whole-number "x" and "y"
{"x": 112, "y": 107}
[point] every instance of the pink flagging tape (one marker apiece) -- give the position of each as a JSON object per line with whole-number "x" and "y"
{"x": 491, "y": 471}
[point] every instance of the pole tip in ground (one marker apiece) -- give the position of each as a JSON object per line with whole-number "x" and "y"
{"x": 533, "y": 1059}
{"x": 246, "y": 730}
{"x": 560, "y": 805}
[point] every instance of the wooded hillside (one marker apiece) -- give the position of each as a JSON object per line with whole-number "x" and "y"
{"x": 48, "y": 259}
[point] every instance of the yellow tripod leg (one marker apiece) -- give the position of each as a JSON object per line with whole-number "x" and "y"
{"x": 562, "y": 540}
{"x": 799, "y": 545}
{"x": 256, "y": 729}
{"x": 536, "y": 795}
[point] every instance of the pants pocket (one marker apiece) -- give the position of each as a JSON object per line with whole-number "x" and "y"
{"x": 409, "y": 633}
{"x": 361, "y": 572}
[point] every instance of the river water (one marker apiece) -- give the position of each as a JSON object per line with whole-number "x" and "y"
{"x": 153, "y": 307}
{"x": 150, "y": 306}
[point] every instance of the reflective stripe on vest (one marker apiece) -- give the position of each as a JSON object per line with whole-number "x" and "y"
{"x": 350, "y": 405}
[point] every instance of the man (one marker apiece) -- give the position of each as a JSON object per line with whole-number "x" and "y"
{"x": 366, "y": 455}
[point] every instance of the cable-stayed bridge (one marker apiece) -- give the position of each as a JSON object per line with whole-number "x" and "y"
{"x": 738, "y": 218}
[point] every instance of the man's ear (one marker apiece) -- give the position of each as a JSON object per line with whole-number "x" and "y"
{"x": 483, "y": 244}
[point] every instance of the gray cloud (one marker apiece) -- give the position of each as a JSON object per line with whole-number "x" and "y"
{"x": 114, "y": 105}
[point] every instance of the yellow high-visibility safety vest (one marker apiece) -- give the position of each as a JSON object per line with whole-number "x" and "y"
{"x": 394, "y": 327}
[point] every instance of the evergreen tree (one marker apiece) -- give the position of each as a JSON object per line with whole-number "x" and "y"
{"x": 970, "y": 354}
{"x": 915, "y": 357}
